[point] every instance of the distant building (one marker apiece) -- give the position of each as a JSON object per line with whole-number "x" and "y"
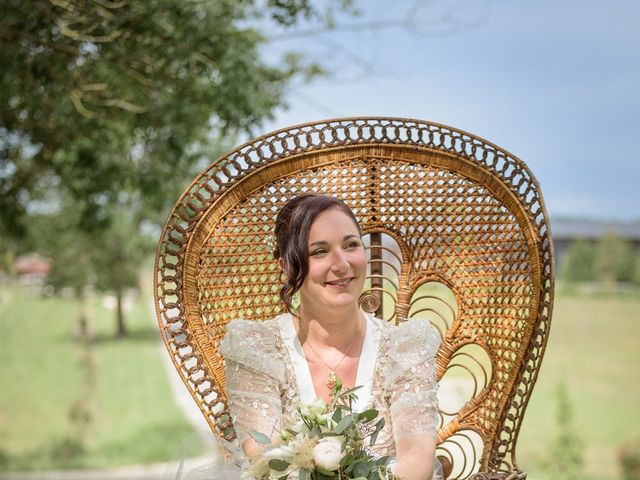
{"x": 31, "y": 268}
{"x": 564, "y": 232}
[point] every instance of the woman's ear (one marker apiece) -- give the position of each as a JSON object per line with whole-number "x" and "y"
{"x": 281, "y": 265}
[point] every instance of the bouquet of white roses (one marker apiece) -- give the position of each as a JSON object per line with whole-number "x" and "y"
{"x": 325, "y": 442}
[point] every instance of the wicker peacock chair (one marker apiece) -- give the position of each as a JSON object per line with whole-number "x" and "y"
{"x": 457, "y": 233}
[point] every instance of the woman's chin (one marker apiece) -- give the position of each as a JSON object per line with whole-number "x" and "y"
{"x": 342, "y": 300}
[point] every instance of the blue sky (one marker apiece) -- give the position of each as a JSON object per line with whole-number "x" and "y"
{"x": 555, "y": 83}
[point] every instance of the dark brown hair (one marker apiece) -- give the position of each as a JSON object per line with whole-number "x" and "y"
{"x": 292, "y": 236}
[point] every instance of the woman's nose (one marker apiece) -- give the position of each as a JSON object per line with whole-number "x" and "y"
{"x": 340, "y": 261}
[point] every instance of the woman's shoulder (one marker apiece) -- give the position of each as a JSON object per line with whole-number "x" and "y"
{"x": 409, "y": 333}
{"x": 254, "y": 344}
{"x": 240, "y": 328}
{"x": 409, "y": 344}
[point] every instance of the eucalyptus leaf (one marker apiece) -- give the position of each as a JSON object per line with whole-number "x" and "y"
{"x": 368, "y": 415}
{"x": 278, "y": 465}
{"x": 337, "y": 415}
{"x": 344, "y": 423}
{"x": 324, "y": 471}
{"x": 382, "y": 460}
{"x": 261, "y": 438}
{"x": 351, "y": 390}
{"x": 355, "y": 461}
{"x": 361, "y": 469}
{"x": 346, "y": 461}
{"x": 378, "y": 428}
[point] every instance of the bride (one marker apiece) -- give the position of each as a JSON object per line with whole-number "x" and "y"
{"x": 274, "y": 364}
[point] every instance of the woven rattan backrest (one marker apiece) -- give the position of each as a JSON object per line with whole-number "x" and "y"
{"x": 456, "y": 231}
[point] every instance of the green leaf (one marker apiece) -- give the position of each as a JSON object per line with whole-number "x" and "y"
{"x": 382, "y": 461}
{"x": 278, "y": 465}
{"x": 374, "y": 435}
{"x": 362, "y": 469}
{"x": 302, "y": 474}
{"x": 324, "y": 471}
{"x": 337, "y": 415}
{"x": 261, "y": 438}
{"x": 368, "y": 415}
{"x": 351, "y": 390}
{"x": 355, "y": 460}
{"x": 344, "y": 424}
{"x": 346, "y": 461}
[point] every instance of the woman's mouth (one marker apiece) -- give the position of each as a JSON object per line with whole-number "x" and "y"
{"x": 342, "y": 283}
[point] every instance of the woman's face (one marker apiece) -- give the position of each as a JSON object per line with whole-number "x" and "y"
{"x": 337, "y": 262}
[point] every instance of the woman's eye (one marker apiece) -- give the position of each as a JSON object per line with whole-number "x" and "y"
{"x": 353, "y": 244}
{"x": 317, "y": 253}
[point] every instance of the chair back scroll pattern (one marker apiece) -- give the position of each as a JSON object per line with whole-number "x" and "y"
{"x": 456, "y": 232}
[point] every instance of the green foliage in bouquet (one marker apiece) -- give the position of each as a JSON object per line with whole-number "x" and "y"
{"x": 324, "y": 442}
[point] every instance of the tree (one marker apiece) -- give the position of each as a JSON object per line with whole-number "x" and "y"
{"x": 615, "y": 259}
{"x": 103, "y": 104}
{"x": 117, "y": 257}
{"x": 636, "y": 266}
{"x": 566, "y": 453}
{"x": 579, "y": 263}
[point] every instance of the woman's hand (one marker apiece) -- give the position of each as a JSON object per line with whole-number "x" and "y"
{"x": 416, "y": 456}
{"x": 251, "y": 448}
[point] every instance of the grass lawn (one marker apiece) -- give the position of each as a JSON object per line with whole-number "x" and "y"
{"x": 43, "y": 373}
{"x": 594, "y": 348}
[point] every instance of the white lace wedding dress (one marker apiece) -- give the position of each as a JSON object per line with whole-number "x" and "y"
{"x": 267, "y": 374}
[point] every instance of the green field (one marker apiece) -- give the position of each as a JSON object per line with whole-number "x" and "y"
{"x": 594, "y": 348}
{"x": 43, "y": 373}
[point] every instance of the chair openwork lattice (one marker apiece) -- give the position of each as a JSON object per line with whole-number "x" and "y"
{"x": 456, "y": 230}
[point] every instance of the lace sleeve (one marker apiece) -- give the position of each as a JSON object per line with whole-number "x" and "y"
{"x": 254, "y": 371}
{"x": 410, "y": 379}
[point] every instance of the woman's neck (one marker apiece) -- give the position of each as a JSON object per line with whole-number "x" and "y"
{"x": 336, "y": 330}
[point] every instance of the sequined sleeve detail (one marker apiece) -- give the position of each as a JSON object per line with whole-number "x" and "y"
{"x": 254, "y": 345}
{"x": 409, "y": 378}
{"x": 254, "y": 371}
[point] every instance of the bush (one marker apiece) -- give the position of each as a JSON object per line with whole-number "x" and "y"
{"x": 615, "y": 259}
{"x": 579, "y": 264}
{"x": 636, "y": 273}
{"x": 629, "y": 458}
{"x": 612, "y": 260}
{"x": 565, "y": 460}
{"x": 67, "y": 448}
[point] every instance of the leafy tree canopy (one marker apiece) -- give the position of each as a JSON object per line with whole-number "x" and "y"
{"x": 98, "y": 96}
{"x": 108, "y": 106}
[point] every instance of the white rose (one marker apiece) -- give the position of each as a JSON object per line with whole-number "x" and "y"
{"x": 327, "y": 453}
